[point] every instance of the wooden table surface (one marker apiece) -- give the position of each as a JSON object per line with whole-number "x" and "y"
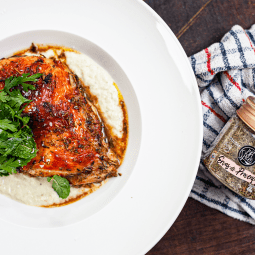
{"x": 200, "y": 229}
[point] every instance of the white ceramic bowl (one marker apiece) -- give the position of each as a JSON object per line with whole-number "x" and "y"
{"x": 129, "y": 214}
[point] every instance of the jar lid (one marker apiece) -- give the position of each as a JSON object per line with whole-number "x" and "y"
{"x": 247, "y": 112}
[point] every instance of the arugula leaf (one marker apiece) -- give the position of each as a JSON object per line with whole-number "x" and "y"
{"x": 60, "y": 185}
{"x": 4, "y": 97}
{"x": 10, "y": 145}
{"x": 9, "y": 165}
{"x": 16, "y": 100}
{"x": 6, "y": 112}
{"x": 3, "y": 135}
{"x": 25, "y": 77}
{"x": 26, "y": 149}
{"x": 8, "y": 124}
{"x": 17, "y": 145}
{"x": 25, "y": 119}
{"x": 15, "y": 81}
{"x": 27, "y": 86}
{"x": 10, "y": 83}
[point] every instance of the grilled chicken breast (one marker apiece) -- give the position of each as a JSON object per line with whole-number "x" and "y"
{"x": 67, "y": 128}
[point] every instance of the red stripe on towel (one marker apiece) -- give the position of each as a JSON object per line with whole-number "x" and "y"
{"x": 250, "y": 42}
{"x": 215, "y": 113}
{"x": 232, "y": 80}
{"x": 208, "y": 54}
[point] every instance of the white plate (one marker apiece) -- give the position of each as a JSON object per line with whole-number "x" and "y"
{"x": 58, "y": 217}
{"x": 141, "y": 53}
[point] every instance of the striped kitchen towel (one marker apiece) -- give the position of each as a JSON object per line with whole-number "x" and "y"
{"x": 225, "y": 74}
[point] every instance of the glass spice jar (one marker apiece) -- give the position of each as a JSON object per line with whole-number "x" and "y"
{"x": 231, "y": 158}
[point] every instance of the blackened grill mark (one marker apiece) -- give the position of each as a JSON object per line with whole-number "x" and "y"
{"x": 76, "y": 78}
{"x": 40, "y": 60}
{"x": 48, "y": 106}
{"x": 88, "y": 121}
{"x": 48, "y": 78}
{"x": 44, "y": 146}
{"x": 14, "y": 56}
{"x": 87, "y": 169}
{"x": 33, "y": 48}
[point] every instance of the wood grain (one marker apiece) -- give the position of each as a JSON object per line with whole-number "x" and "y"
{"x": 211, "y": 24}
{"x": 200, "y": 229}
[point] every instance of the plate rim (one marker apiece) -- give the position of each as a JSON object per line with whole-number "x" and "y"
{"x": 194, "y": 82}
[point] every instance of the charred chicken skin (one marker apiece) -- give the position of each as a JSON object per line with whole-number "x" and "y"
{"x": 67, "y": 128}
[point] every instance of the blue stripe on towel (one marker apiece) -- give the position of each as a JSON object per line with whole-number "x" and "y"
{"x": 226, "y": 95}
{"x": 239, "y": 47}
{"x": 242, "y": 82}
{"x": 253, "y": 77}
{"x": 206, "y": 125}
{"x": 244, "y": 201}
{"x": 203, "y": 80}
{"x": 193, "y": 63}
{"x": 216, "y": 101}
{"x": 224, "y": 56}
{"x": 208, "y": 182}
{"x": 217, "y": 202}
{"x": 251, "y": 37}
{"x": 206, "y": 144}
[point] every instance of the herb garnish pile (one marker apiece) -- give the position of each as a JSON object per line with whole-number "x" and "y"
{"x": 17, "y": 145}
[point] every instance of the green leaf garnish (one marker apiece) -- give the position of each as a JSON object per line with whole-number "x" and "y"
{"x": 60, "y": 185}
{"x": 21, "y": 80}
{"x": 8, "y": 124}
{"x": 17, "y": 145}
{"x": 4, "y": 97}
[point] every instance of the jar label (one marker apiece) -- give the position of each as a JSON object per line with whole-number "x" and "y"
{"x": 231, "y": 159}
{"x": 246, "y": 156}
{"x": 236, "y": 170}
